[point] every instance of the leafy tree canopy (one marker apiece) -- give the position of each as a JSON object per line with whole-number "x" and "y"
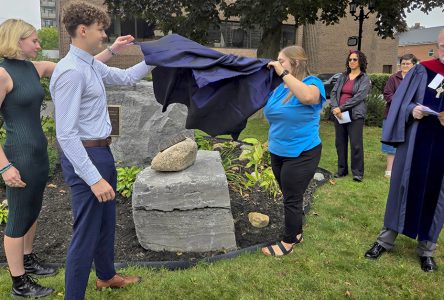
{"x": 192, "y": 18}
{"x": 49, "y": 38}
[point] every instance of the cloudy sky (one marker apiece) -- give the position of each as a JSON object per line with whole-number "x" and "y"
{"x": 28, "y": 10}
{"x": 434, "y": 18}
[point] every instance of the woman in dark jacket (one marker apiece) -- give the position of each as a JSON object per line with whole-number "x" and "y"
{"x": 347, "y": 97}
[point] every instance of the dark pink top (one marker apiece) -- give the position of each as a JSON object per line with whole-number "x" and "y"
{"x": 347, "y": 91}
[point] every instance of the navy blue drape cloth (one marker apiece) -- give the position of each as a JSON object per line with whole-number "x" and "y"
{"x": 220, "y": 90}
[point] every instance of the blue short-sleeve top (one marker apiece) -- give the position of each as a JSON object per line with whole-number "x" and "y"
{"x": 294, "y": 127}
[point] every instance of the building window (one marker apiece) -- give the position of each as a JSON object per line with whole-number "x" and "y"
{"x": 431, "y": 52}
{"x": 49, "y": 23}
{"x": 231, "y": 34}
{"x": 387, "y": 69}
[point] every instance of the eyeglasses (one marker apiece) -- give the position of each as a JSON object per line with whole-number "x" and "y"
{"x": 352, "y": 59}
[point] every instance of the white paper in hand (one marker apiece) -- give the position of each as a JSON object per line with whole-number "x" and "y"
{"x": 345, "y": 118}
{"x": 429, "y": 110}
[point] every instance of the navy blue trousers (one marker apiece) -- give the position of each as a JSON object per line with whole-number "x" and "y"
{"x": 94, "y": 226}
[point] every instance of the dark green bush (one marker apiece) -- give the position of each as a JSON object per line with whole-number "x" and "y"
{"x": 378, "y": 81}
{"x": 45, "y": 84}
{"x": 375, "y": 109}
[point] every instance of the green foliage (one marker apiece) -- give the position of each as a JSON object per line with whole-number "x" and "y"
{"x": 190, "y": 18}
{"x": 231, "y": 166}
{"x": 375, "y": 109}
{"x": 3, "y": 213}
{"x": 2, "y": 134}
{"x": 49, "y": 38}
{"x": 326, "y": 114}
{"x": 49, "y": 128}
{"x": 343, "y": 221}
{"x": 53, "y": 157}
{"x": 378, "y": 81}
{"x": 45, "y": 84}
{"x": 258, "y": 158}
{"x": 201, "y": 141}
{"x": 125, "y": 180}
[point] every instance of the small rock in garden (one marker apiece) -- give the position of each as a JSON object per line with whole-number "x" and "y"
{"x": 176, "y": 158}
{"x": 5, "y": 203}
{"x": 258, "y": 220}
{"x": 318, "y": 176}
{"x": 52, "y": 186}
{"x": 62, "y": 191}
{"x": 218, "y": 146}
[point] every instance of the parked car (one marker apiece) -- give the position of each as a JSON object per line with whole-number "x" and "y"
{"x": 329, "y": 80}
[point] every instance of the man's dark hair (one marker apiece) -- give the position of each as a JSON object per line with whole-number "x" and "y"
{"x": 362, "y": 59}
{"x": 82, "y": 13}
{"x": 409, "y": 56}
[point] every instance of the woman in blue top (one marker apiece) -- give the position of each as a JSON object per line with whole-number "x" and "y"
{"x": 293, "y": 111}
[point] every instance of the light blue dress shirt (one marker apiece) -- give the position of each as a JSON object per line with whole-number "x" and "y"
{"x": 81, "y": 113}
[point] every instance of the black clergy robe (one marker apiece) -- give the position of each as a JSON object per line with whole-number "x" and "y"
{"x": 415, "y": 204}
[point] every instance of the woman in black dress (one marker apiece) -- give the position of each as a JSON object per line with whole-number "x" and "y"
{"x": 24, "y": 159}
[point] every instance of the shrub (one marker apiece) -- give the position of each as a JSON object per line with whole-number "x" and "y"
{"x": 48, "y": 126}
{"x": 3, "y": 214}
{"x": 378, "y": 81}
{"x": 49, "y": 38}
{"x": 258, "y": 158}
{"x": 375, "y": 109}
{"x": 125, "y": 180}
{"x": 201, "y": 141}
{"x": 45, "y": 84}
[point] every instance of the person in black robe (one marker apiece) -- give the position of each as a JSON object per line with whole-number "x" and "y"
{"x": 415, "y": 204}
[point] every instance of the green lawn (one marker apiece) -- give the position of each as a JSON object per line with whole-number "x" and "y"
{"x": 341, "y": 225}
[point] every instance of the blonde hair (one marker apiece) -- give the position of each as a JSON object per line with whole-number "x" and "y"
{"x": 299, "y": 64}
{"x": 11, "y": 32}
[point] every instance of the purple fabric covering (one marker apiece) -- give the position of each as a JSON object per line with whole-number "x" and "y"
{"x": 220, "y": 90}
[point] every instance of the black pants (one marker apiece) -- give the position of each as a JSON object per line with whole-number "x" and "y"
{"x": 293, "y": 175}
{"x": 352, "y": 130}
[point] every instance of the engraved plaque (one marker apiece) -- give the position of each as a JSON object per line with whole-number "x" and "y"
{"x": 114, "y": 116}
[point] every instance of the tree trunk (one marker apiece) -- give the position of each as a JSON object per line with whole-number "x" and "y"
{"x": 270, "y": 43}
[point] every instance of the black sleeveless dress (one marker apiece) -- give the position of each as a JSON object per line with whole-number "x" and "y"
{"x": 25, "y": 146}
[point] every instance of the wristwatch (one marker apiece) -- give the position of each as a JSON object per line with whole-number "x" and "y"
{"x": 284, "y": 73}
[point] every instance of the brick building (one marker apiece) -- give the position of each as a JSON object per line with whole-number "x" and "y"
{"x": 326, "y": 46}
{"x": 420, "y": 42}
{"x": 49, "y": 12}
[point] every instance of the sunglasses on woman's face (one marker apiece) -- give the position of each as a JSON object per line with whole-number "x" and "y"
{"x": 352, "y": 59}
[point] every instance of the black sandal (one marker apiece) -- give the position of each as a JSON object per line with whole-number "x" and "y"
{"x": 273, "y": 253}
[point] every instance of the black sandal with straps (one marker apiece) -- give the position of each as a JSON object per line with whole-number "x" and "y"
{"x": 273, "y": 253}
{"x": 282, "y": 247}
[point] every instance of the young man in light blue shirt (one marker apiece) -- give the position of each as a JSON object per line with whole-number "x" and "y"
{"x": 83, "y": 128}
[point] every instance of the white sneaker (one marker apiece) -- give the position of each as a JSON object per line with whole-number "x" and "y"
{"x": 388, "y": 174}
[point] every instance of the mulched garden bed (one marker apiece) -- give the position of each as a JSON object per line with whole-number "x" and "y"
{"x": 55, "y": 223}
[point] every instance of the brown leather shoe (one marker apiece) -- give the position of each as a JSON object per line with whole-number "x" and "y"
{"x": 117, "y": 282}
